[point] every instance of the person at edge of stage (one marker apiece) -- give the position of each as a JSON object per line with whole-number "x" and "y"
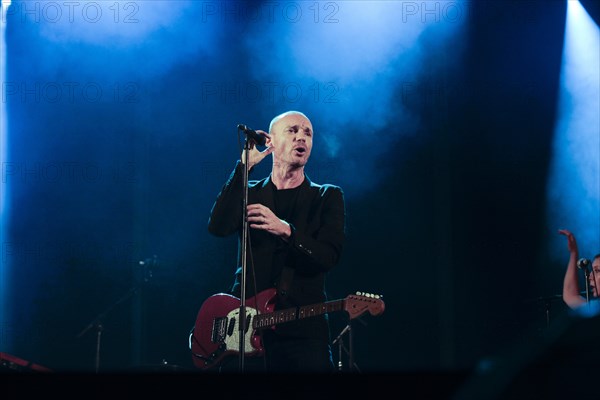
{"x": 571, "y": 290}
{"x": 296, "y": 236}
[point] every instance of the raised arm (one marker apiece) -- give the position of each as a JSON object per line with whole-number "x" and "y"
{"x": 571, "y": 291}
{"x": 226, "y": 213}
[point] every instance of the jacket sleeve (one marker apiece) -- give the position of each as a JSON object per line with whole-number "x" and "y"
{"x": 226, "y": 214}
{"x": 322, "y": 251}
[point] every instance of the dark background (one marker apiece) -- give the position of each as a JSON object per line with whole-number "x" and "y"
{"x": 450, "y": 228}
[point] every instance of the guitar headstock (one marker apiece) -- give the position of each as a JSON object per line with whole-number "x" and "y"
{"x": 361, "y": 302}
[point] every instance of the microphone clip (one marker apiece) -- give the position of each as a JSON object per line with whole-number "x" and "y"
{"x": 252, "y": 135}
{"x": 583, "y": 263}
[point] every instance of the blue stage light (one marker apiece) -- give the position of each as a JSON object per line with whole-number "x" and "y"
{"x": 574, "y": 183}
{"x": 4, "y": 318}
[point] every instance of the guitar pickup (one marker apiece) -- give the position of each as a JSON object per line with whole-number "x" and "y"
{"x": 231, "y": 327}
{"x": 248, "y": 320}
{"x": 219, "y": 329}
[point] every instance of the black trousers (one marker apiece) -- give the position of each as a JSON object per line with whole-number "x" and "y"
{"x": 286, "y": 355}
{"x": 308, "y": 355}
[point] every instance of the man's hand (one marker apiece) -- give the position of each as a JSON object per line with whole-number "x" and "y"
{"x": 255, "y": 156}
{"x": 261, "y": 217}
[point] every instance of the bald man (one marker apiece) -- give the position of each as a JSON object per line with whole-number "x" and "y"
{"x": 296, "y": 232}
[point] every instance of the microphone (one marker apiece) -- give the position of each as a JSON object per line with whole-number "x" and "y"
{"x": 260, "y": 140}
{"x": 583, "y": 263}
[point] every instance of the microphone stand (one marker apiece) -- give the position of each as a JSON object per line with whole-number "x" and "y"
{"x": 349, "y": 351}
{"x": 340, "y": 341}
{"x": 248, "y": 144}
{"x": 587, "y": 285}
{"x": 97, "y": 324}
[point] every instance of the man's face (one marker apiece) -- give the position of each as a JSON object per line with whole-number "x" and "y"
{"x": 594, "y": 278}
{"x": 292, "y": 137}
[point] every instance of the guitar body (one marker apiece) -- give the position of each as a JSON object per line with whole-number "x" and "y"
{"x": 216, "y": 334}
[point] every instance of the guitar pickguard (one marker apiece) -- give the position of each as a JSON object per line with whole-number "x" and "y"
{"x": 230, "y": 336}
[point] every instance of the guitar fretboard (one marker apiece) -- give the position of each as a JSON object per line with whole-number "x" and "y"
{"x": 292, "y": 314}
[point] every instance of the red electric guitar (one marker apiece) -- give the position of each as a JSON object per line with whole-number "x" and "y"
{"x": 216, "y": 333}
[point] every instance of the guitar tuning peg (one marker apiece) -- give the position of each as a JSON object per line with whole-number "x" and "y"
{"x": 371, "y": 295}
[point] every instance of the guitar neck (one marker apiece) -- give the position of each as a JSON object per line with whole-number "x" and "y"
{"x": 295, "y": 313}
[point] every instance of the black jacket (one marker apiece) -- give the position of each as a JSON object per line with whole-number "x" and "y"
{"x": 318, "y": 231}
